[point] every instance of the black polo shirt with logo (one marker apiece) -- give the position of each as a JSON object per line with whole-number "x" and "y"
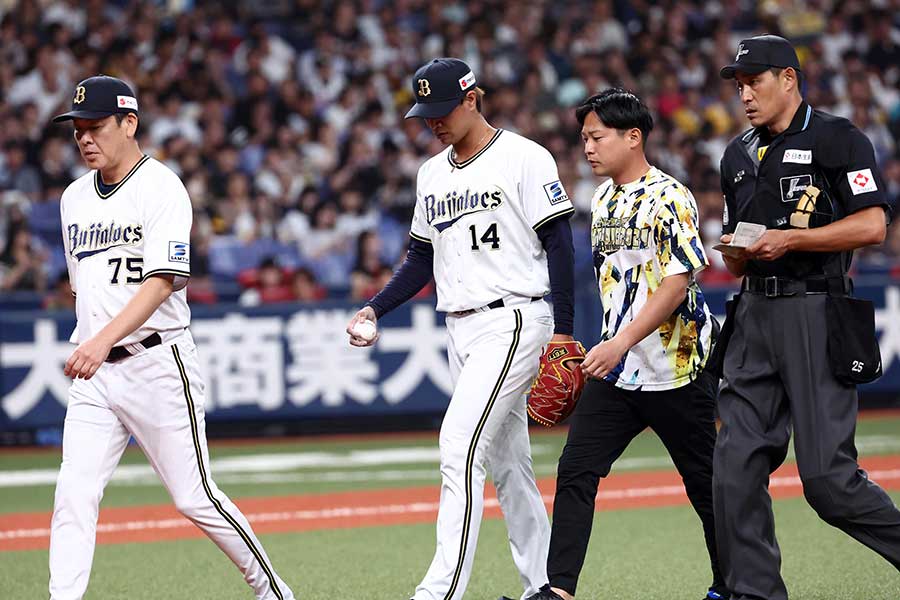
{"x": 763, "y": 178}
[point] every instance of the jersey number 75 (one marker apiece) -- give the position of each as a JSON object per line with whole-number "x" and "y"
{"x": 134, "y": 266}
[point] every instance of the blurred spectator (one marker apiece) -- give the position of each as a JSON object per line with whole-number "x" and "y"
{"x": 22, "y": 263}
{"x": 327, "y": 248}
{"x": 17, "y": 174}
{"x": 201, "y": 290}
{"x": 366, "y": 279}
{"x": 61, "y": 296}
{"x": 268, "y": 283}
{"x": 47, "y": 84}
{"x": 304, "y": 287}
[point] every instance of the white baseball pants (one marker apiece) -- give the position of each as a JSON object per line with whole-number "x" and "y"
{"x": 494, "y": 357}
{"x": 157, "y": 397}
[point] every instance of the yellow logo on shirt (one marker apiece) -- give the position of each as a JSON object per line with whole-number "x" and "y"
{"x": 760, "y": 152}
{"x": 610, "y": 234}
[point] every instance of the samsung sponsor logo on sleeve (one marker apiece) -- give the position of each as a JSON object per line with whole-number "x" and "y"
{"x": 801, "y": 157}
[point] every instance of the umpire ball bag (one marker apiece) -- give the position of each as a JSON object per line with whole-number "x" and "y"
{"x": 852, "y": 343}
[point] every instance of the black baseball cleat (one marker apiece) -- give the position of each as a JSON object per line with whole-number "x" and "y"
{"x": 545, "y": 593}
{"x": 714, "y": 595}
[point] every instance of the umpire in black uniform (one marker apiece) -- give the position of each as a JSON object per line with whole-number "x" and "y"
{"x": 811, "y": 179}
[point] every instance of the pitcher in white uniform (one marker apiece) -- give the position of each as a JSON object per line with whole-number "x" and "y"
{"x": 491, "y": 226}
{"x": 126, "y": 227}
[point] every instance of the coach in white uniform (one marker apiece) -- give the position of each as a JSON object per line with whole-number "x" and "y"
{"x": 491, "y": 225}
{"x": 126, "y": 227}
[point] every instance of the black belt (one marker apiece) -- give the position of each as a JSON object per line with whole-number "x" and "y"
{"x": 773, "y": 287}
{"x": 120, "y": 352}
{"x": 498, "y": 303}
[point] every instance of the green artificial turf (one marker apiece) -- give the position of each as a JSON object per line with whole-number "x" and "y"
{"x": 646, "y": 553}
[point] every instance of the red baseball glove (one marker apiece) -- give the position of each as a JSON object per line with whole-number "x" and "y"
{"x": 558, "y": 384}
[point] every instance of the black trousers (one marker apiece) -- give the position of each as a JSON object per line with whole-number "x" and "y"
{"x": 777, "y": 379}
{"x": 603, "y": 424}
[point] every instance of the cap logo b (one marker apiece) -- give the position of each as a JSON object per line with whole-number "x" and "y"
{"x": 424, "y": 88}
{"x": 79, "y": 95}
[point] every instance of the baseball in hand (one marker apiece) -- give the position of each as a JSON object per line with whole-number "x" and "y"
{"x": 365, "y": 330}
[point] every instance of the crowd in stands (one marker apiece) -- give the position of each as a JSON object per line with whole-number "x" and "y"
{"x": 285, "y": 119}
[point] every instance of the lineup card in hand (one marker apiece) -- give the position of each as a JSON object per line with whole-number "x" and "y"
{"x": 745, "y": 235}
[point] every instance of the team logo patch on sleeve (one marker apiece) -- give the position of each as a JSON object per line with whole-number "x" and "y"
{"x": 555, "y": 192}
{"x": 179, "y": 252}
{"x": 862, "y": 181}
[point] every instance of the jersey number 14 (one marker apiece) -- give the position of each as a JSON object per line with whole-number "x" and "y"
{"x": 488, "y": 237}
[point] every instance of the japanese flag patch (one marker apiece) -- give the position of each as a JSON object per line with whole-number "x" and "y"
{"x": 179, "y": 252}
{"x": 555, "y": 192}
{"x": 862, "y": 181}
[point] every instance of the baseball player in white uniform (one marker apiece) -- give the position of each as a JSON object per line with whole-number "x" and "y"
{"x": 126, "y": 227}
{"x": 491, "y": 225}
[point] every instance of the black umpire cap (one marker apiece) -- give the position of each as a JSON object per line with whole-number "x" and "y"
{"x": 98, "y": 97}
{"x": 761, "y": 53}
{"x": 439, "y": 86}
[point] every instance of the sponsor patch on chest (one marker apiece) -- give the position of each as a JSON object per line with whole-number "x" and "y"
{"x": 792, "y": 187}
{"x": 800, "y": 157}
{"x": 862, "y": 181}
{"x": 179, "y": 252}
{"x": 555, "y": 192}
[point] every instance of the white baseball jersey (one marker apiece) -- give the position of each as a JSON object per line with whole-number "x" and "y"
{"x": 481, "y": 216}
{"x": 115, "y": 240}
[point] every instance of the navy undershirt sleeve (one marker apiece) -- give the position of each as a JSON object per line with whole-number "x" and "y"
{"x": 556, "y": 237}
{"x": 410, "y": 278}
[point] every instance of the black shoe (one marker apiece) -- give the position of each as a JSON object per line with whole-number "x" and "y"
{"x": 713, "y": 595}
{"x": 545, "y": 593}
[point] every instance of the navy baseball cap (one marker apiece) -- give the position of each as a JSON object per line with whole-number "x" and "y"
{"x": 439, "y": 86}
{"x": 761, "y": 53}
{"x": 98, "y": 97}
